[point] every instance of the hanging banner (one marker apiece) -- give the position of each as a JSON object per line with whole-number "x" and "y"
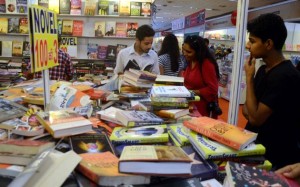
{"x": 43, "y": 38}
{"x": 178, "y": 24}
{"x": 195, "y": 19}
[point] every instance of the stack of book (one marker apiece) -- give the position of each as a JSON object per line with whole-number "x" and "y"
{"x": 139, "y": 78}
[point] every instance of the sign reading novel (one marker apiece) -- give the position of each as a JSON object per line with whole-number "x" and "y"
{"x": 43, "y": 38}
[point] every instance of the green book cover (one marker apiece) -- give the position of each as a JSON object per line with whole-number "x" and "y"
{"x": 181, "y": 135}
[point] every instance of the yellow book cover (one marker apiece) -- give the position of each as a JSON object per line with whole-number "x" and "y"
{"x": 227, "y": 134}
{"x": 90, "y": 7}
{"x": 99, "y": 28}
{"x": 3, "y": 25}
{"x": 67, "y": 27}
{"x": 23, "y": 26}
{"x": 124, "y": 8}
{"x": 17, "y": 48}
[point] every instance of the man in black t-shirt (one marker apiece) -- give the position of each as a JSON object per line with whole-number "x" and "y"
{"x": 273, "y": 92}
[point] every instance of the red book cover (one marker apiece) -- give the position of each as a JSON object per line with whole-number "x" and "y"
{"x": 77, "y": 27}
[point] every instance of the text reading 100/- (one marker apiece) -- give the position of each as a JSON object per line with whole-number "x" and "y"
{"x": 41, "y": 52}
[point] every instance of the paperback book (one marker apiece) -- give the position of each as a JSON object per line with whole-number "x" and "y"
{"x": 124, "y": 8}
{"x": 64, "y": 6}
{"x": 23, "y": 26}
{"x": 11, "y": 6}
{"x": 109, "y": 114}
{"x": 67, "y": 27}
{"x": 135, "y": 8}
{"x": 139, "y": 135}
{"x": 10, "y": 110}
{"x": 110, "y": 28}
{"x": 17, "y": 48}
{"x": 131, "y": 29}
{"x": 180, "y": 134}
{"x": 146, "y": 9}
{"x": 92, "y": 50}
{"x": 170, "y": 91}
{"x": 103, "y": 7}
{"x": 77, "y": 28}
{"x": 75, "y": 7}
{"x": 102, "y": 50}
{"x": 13, "y": 25}
{"x": 90, "y": 7}
{"x": 111, "y": 52}
{"x": 113, "y": 7}
{"x": 99, "y": 28}
{"x": 121, "y": 29}
{"x": 3, "y": 25}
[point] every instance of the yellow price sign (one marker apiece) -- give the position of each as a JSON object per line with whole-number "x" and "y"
{"x": 43, "y": 38}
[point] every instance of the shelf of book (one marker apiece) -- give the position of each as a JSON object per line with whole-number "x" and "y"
{"x": 104, "y": 37}
{"x": 13, "y": 34}
{"x": 13, "y": 57}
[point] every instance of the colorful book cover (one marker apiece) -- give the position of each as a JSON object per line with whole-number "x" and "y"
{"x": 210, "y": 149}
{"x": 54, "y": 5}
{"x": 230, "y": 135}
{"x": 92, "y": 51}
{"x": 131, "y": 29}
{"x": 26, "y": 48}
{"x": 113, "y": 7}
{"x": 90, "y": 7}
{"x": 6, "y": 48}
{"x": 99, "y": 28}
{"x": 146, "y": 9}
{"x": 22, "y": 6}
{"x": 121, "y": 29}
{"x": 103, "y": 7}
{"x": 75, "y": 7}
{"x": 102, "y": 50}
{"x": 135, "y": 8}
{"x": 138, "y": 118}
{"x": 2, "y": 6}
{"x": 69, "y": 45}
{"x": 120, "y": 47}
{"x": 67, "y": 27}
{"x": 110, "y": 28}
{"x": 139, "y": 135}
{"x": 102, "y": 168}
{"x": 13, "y": 25}
{"x": 17, "y": 48}
{"x": 64, "y": 6}
{"x": 11, "y": 6}
{"x": 77, "y": 27}
{"x": 23, "y": 26}
{"x": 90, "y": 143}
{"x": 111, "y": 52}
{"x": 180, "y": 134}
{"x": 124, "y": 8}
{"x": 44, "y": 3}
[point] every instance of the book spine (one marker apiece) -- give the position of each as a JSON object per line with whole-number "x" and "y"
{"x": 141, "y": 141}
{"x": 171, "y": 104}
{"x": 206, "y": 132}
{"x": 165, "y": 114}
{"x": 139, "y": 124}
{"x": 168, "y": 107}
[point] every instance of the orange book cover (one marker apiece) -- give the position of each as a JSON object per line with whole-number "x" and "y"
{"x": 225, "y": 133}
{"x": 77, "y": 27}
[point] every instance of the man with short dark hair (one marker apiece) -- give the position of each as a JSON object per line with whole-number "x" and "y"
{"x": 212, "y": 52}
{"x": 140, "y": 53}
{"x": 273, "y": 92}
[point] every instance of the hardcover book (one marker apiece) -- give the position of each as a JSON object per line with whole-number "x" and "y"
{"x": 50, "y": 168}
{"x": 113, "y": 7}
{"x": 23, "y": 26}
{"x": 102, "y": 168}
{"x": 102, "y": 50}
{"x": 135, "y": 8}
{"x": 17, "y": 48}
{"x": 10, "y": 110}
{"x": 121, "y": 29}
{"x": 138, "y": 118}
{"x": 139, "y": 135}
{"x": 170, "y": 91}
{"x": 11, "y": 6}
{"x": 242, "y": 175}
{"x": 110, "y": 28}
{"x": 99, "y": 28}
{"x": 146, "y": 9}
{"x": 75, "y": 7}
{"x": 124, "y": 8}
{"x": 90, "y": 143}
{"x": 3, "y": 25}
{"x": 145, "y": 159}
{"x": 92, "y": 51}
{"x": 111, "y": 52}
{"x": 77, "y": 28}
{"x": 131, "y": 29}
{"x": 67, "y": 27}
{"x": 227, "y": 134}
{"x": 13, "y": 25}
{"x": 210, "y": 149}
{"x": 64, "y": 6}
{"x": 63, "y": 123}
{"x": 26, "y": 147}
{"x": 103, "y": 7}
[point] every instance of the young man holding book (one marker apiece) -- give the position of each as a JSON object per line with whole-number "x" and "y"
{"x": 139, "y": 55}
{"x": 272, "y": 97}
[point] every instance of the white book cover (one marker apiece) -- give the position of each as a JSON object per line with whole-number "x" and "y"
{"x": 6, "y": 48}
{"x": 170, "y": 91}
{"x": 109, "y": 114}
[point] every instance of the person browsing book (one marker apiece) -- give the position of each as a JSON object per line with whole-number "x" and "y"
{"x": 291, "y": 171}
{"x": 272, "y": 93}
{"x": 139, "y": 55}
{"x": 169, "y": 57}
{"x": 64, "y": 71}
{"x": 201, "y": 74}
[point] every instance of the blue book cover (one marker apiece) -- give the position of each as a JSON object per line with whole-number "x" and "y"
{"x": 201, "y": 168}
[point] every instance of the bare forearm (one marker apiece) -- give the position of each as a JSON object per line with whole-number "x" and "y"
{"x": 251, "y": 102}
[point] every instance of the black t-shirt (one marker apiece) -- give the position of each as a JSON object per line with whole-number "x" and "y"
{"x": 279, "y": 89}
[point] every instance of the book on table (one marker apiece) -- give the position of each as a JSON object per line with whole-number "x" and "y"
{"x": 138, "y": 118}
{"x": 48, "y": 169}
{"x": 169, "y": 80}
{"x": 158, "y": 160}
{"x": 109, "y": 114}
{"x": 64, "y": 123}
{"x": 90, "y": 143}
{"x": 10, "y": 110}
{"x": 102, "y": 168}
{"x": 242, "y": 175}
{"x": 225, "y": 133}
{"x": 210, "y": 149}
{"x": 170, "y": 91}
{"x": 16, "y": 159}
{"x": 179, "y": 133}
{"x": 138, "y": 135}
{"x": 172, "y": 113}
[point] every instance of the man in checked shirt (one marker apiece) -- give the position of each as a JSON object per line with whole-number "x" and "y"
{"x": 64, "y": 71}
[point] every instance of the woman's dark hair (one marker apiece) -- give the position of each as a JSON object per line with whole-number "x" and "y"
{"x": 269, "y": 26}
{"x": 197, "y": 43}
{"x": 170, "y": 46}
